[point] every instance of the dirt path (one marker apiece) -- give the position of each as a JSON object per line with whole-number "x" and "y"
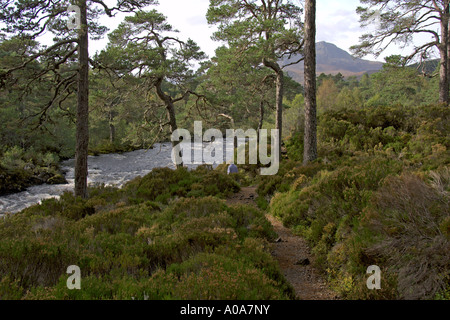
{"x": 293, "y": 255}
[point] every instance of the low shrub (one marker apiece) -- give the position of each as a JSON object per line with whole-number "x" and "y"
{"x": 135, "y": 243}
{"x": 371, "y": 199}
{"x": 412, "y": 219}
{"x": 162, "y": 184}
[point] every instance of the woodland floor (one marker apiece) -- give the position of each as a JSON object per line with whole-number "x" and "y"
{"x": 293, "y": 255}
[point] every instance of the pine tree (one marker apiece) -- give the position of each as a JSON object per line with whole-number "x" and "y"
{"x": 310, "y": 137}
{"x": 398, "y": 21}
{"x": 29, "y": 19}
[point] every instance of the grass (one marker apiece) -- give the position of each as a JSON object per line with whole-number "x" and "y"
{"x": 168, "y": 235}
{"x": 377, "y": 195}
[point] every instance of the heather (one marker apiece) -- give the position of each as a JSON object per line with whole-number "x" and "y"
{"x": 377, "y": 195}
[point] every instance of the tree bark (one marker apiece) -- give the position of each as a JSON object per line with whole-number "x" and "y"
{"x": 310, "y": 137}
{"x": 261, "y": 116}
{"x": 112, "y": 134}
{"x": 112, "y": 128}
{"x": 82, "y": 129}
{"x": 443, "y": 76}
{"x": 261, "y": 119}
{"x": 168, "y": 102}
{"x": 279, "y": 98}
{"x": 444, "y": 71}
{"x": 447, "y": 45}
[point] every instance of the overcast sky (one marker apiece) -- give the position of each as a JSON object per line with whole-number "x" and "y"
{"x": 337, "y": 23}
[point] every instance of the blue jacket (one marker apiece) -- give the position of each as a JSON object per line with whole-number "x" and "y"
{"x": 232, "y": 168}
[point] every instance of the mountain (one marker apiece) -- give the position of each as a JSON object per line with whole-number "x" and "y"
{"x": 331, "y": 60}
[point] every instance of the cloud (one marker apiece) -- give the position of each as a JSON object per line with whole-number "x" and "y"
{"x": 338, "y": 24}
{"x": 189, "y": 17}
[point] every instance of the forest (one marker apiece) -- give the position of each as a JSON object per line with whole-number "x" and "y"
{"x": 364, "y": 175}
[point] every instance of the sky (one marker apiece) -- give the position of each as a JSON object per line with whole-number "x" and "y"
{"x": 337, "y": 23}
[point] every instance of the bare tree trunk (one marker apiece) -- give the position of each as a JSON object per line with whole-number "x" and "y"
{"x": 173, "y": 124}
{"x": 112, "y": 128}
{"x": 168, "y": 101}
{"x": 444, "y": 71}
{"x": 279, "y": 98}
{"x": 261, "y": 119}
{"x": 82, "y": 130}
{"x": 310, "y": 138}
{"x": 447, "y": 46}
{"x": 261, "y": 116}
{"x": 172, "y": 119}
{"x": 443, "y": 76}
{"x": 279, "y": 106}
{"x": 112, "y": 133}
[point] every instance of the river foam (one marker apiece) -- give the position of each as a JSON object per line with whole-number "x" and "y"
{"x": 108, "y": 169}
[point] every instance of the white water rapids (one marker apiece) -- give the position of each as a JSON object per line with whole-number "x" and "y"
{"x": 110, "y": 169}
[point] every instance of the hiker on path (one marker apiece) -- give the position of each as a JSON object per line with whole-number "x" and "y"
{"x": 232, "y": 168}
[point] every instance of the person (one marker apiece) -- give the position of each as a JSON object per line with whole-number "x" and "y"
{"x": 232, "y": 168}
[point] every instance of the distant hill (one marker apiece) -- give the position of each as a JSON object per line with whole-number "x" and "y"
{"x": 331, "y": 60}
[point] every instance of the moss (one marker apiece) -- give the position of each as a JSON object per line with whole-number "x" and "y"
{"x": 57, "y": 179}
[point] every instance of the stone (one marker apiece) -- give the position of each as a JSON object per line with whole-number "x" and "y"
{"x": 57, "y": 179}
{"x": 29, "y": 167}
{"x": 303, "y": 262}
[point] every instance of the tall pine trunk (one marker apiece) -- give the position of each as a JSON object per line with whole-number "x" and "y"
{"x": 279, "y": 98}
{"x": 310, "y": 138}
{"x": 82, "y": 130}
{"x": 173, "y": 124}
{"x": 444, "y": 71}
{"x": 261, "y": 116}
{"x": 261, "y": 119}
{"x": 112, "y": 134}
{"x": 279, "y": 107}
{"x": 446, "y": 43}
{"x": 112, "y": 128}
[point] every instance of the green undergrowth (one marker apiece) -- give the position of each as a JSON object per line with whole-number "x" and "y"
{"x": 21, "y": 168}
{"x": 168, "y": 235}
{"x": 377, "y": 195}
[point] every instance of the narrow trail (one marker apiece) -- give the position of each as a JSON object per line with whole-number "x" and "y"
{"x": 292, "y": 254}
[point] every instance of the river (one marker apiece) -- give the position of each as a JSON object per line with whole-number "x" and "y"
{"x": 110, "y": 169}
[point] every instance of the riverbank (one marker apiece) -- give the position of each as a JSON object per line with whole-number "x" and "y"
{"x": 107, "y": 169}
{"x": 110, "y": 148}
{"x": 112, "y": 169}
{"x": 20, "y": 169}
